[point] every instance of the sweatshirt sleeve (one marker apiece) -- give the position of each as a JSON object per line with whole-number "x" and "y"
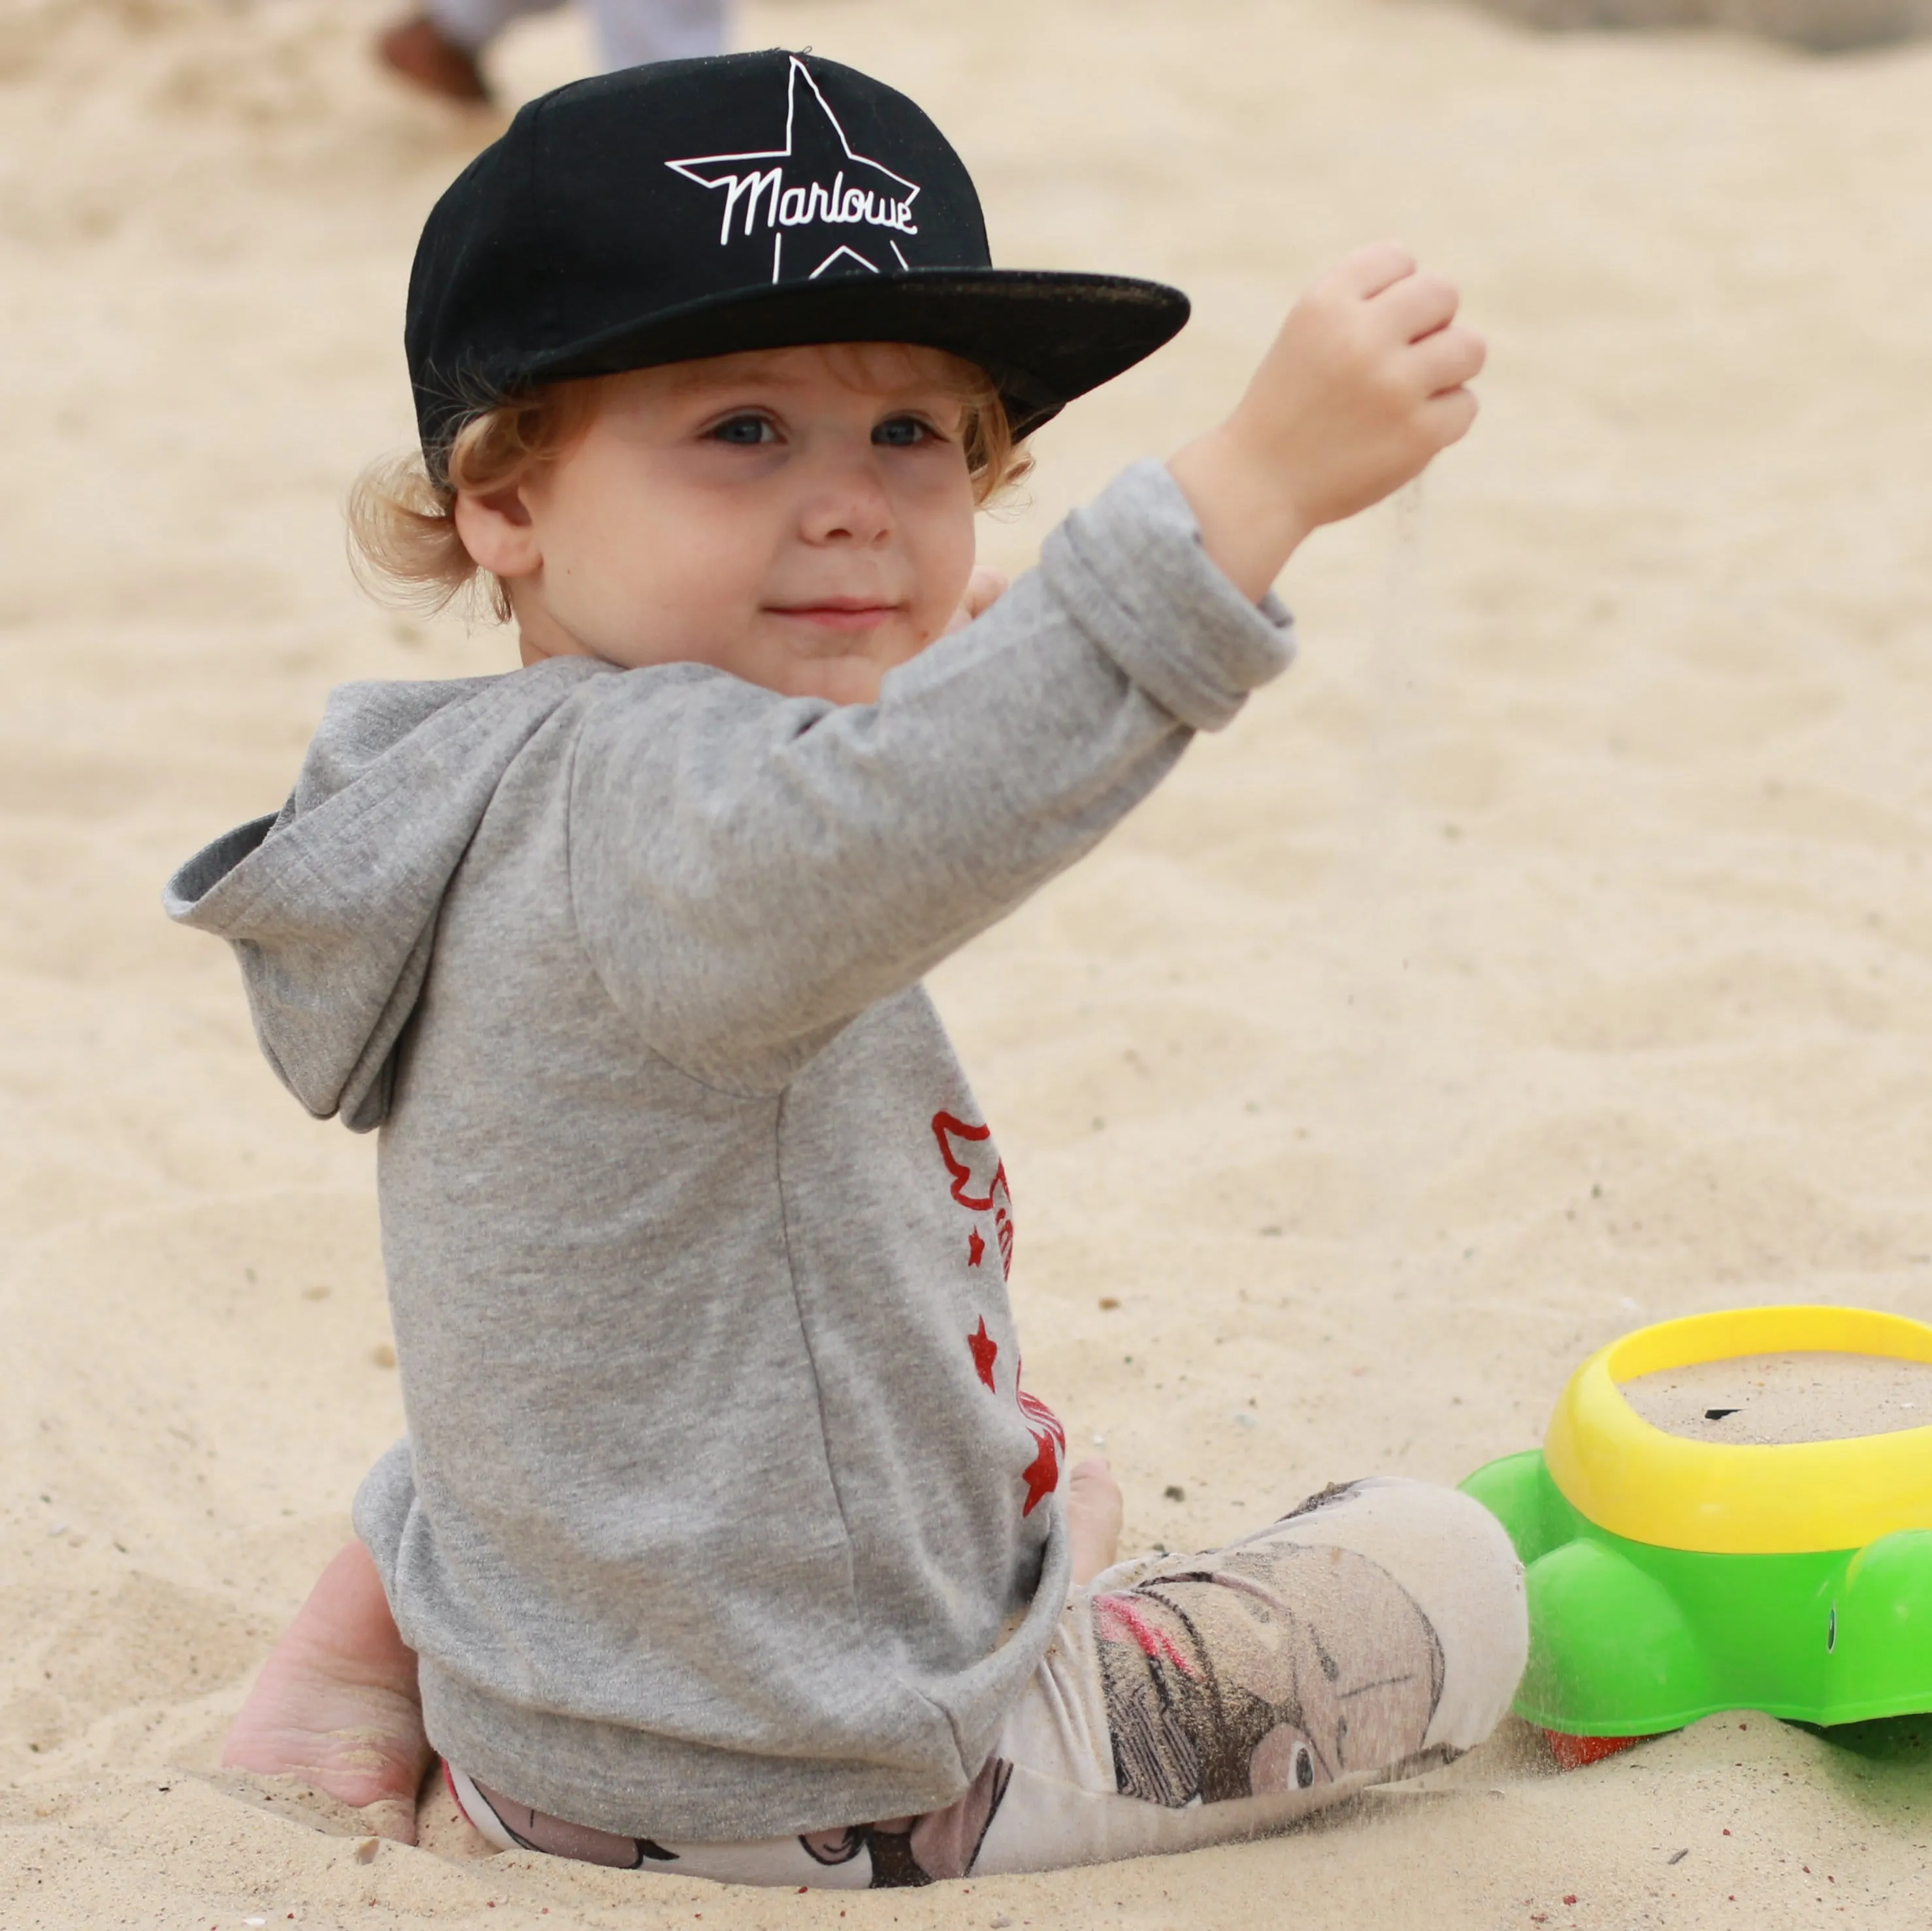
{"x": 750, "y": 871}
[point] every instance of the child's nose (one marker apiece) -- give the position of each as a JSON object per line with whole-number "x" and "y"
{"x": 847, "y": 504}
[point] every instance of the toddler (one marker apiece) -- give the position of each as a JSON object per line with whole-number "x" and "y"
{"x": 725, "y": 1539}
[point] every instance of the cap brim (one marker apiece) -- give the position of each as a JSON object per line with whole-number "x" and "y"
{"x": 1043, "y": 336}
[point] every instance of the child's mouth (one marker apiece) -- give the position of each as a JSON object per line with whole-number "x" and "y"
{"x": 839, "y": 613}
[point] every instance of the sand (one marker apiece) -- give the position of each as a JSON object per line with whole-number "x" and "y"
{"x": 1769, "y": 1400}
{"x": 1825, "y": 26}
{"x": 1550, "y": 953}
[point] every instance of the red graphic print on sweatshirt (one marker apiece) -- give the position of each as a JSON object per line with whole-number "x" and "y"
{"x": 985, "y": 1352}
{"x": 979, "y": 1183}
{"x": 1042, "y": 1476}
{"x": 979, "y": 1179}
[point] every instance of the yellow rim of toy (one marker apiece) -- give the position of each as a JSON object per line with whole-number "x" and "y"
{"x": 1792, "y": 1498}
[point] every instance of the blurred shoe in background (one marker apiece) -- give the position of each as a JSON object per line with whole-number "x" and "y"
{"x": 439, "y": 49}
{"x": 417, "y": 51}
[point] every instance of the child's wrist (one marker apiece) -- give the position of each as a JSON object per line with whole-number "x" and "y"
{"x": 1250, "y": 522}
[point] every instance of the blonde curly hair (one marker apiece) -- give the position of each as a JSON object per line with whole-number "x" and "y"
{"x": 403, "y": 541}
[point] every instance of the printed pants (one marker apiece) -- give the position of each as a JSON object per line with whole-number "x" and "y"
{"x": 1185, "y": 1700}
{"x": 630, "y": 33}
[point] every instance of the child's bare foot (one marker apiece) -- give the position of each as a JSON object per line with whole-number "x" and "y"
{"x": 336, "y": 1703}
{"x": 1093, "y": 1517}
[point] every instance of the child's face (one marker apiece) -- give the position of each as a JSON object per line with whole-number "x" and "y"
{"x": 800, "y": 517}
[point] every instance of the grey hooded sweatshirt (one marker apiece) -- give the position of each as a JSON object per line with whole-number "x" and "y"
{"x": 721, "y": 1514}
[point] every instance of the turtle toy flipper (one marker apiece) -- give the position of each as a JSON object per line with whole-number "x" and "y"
{"x": 1878, "y": 1629}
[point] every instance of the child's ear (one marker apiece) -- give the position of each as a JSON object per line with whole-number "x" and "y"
{"x": 497, "y": 531}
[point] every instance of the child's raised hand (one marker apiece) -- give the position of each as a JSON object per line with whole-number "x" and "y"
{"x": 1362, "y": 387}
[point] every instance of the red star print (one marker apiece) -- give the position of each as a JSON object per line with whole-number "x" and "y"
{"x": 1042, "y": 1475}
{"x": 986, "y": 1351}
{"x": 975, "y": 1247}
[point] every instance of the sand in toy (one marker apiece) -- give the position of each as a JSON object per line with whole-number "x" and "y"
{"x": 1763, "y": 1400}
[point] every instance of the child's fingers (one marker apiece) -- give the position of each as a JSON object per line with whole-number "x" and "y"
{"x": 984, "y": 589}
{"x": 1369, "y": 271}
{"x": 1447, "y": 359}
{"x": 1449, "y": 416}
{"x": 1419, "y": 304}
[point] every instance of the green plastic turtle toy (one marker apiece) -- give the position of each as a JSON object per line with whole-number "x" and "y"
{"x": 1670, "y": 1577}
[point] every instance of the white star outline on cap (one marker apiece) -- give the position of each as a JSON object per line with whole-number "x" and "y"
{"x": 812, "y": 204}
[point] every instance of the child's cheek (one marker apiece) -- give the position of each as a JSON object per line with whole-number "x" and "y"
{"x": 944, "y": 551}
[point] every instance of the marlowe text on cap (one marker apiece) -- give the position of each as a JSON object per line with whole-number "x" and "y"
{"x": 754, "y": 201}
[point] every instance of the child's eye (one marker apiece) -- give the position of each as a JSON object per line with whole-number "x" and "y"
{"x": 902, "y": 432}
{"x": 744, "y": 430}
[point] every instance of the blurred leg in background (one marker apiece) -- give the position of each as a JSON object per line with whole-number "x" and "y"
{"x": 439, "y": 49}
{"x": 632, "y": 33}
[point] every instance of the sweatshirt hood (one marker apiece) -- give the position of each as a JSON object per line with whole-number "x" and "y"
{"x": 332, "y": 903}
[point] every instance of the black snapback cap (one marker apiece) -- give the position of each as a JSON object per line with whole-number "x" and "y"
{"x": 753, "y": 201}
